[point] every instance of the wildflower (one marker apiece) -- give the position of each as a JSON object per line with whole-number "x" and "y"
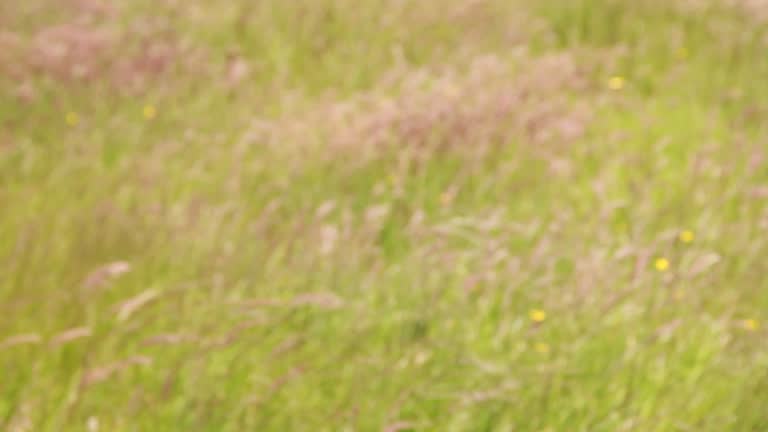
{"x": 72, "y": 118}
{"x": 616, "y": 83}
{"x": 686, "y": 236}
{"x": 537, "y": 315}
{"x": 541, "y": 347}
{"x": 661, "y": 264}
{"x": 149, "y": 112}
{"x": 750, "y": 324}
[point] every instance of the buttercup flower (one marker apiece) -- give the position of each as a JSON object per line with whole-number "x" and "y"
{"x": 149, "y": 112}
{"x": 750, "y": 324}
{"x": 661, "y": 264}
{"x": 537, "y": 315}
{"x": 616, "y": 83}
{"x": 686, "y": 236}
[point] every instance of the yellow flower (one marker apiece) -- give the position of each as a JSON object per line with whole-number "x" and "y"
{"x": 149, "y": 112}
{"x": 661, "y": 264}
{"x": 750, "y": 324}
{"x": 686, "y": 236}
{"x": 72, "y": 118}
{"x": 537, "y": 315}
{"x": 616, "y": 83}
{"x": 541, "y": 347}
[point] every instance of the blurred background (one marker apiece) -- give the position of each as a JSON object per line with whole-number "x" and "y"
{"x": 383, "y": 215}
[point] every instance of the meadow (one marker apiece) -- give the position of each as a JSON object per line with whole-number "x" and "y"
{"x": 384, "y": 215}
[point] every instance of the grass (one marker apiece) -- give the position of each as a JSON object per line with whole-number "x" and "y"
{"x": 364, "y": 215}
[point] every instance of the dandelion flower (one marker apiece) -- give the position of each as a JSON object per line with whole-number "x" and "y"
{"x": 541, "y": 347}
{"x": 661, "y": 264}
{"x": 616, "y": 83}
{"x": 537, "y": 315}
{"x": 750, "y": 324}
{"x": 72, "y": 118}
{"x": 149, "y": 112}
{"x": 686, "y": 236}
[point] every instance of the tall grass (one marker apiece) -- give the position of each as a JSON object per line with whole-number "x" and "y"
{"x": 383, "y": 215}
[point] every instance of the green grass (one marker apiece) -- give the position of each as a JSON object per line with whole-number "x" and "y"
{"x": 288, "y": 270}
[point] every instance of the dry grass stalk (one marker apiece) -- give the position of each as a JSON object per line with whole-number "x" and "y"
{"x": 399, "y": 426}
{"x": 234, "y": 335}
{"x": 321, "y": 299}
{"x": 104, "y": 274}
{"x": 703, "y": 263}
{"x": 21, "y": 339}
{"x": 103, "y": 373}
{"x": 70, "y": 335}
{"x": 324, "y": 300}
{"x": 127, "y": 308}
{"x": 168, "y": 339}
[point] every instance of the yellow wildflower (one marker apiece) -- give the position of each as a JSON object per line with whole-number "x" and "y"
{"x": 537, "y": 315}
{"x": 541, "y": 347}
{"x": 149, "y": 112}
{"x": 750, "y": 324}
{"x": 686, "y": 236}
{"x": 616, "y": 83}
{"x": 72, "y": 118}
{"x": 661, "y": 264}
